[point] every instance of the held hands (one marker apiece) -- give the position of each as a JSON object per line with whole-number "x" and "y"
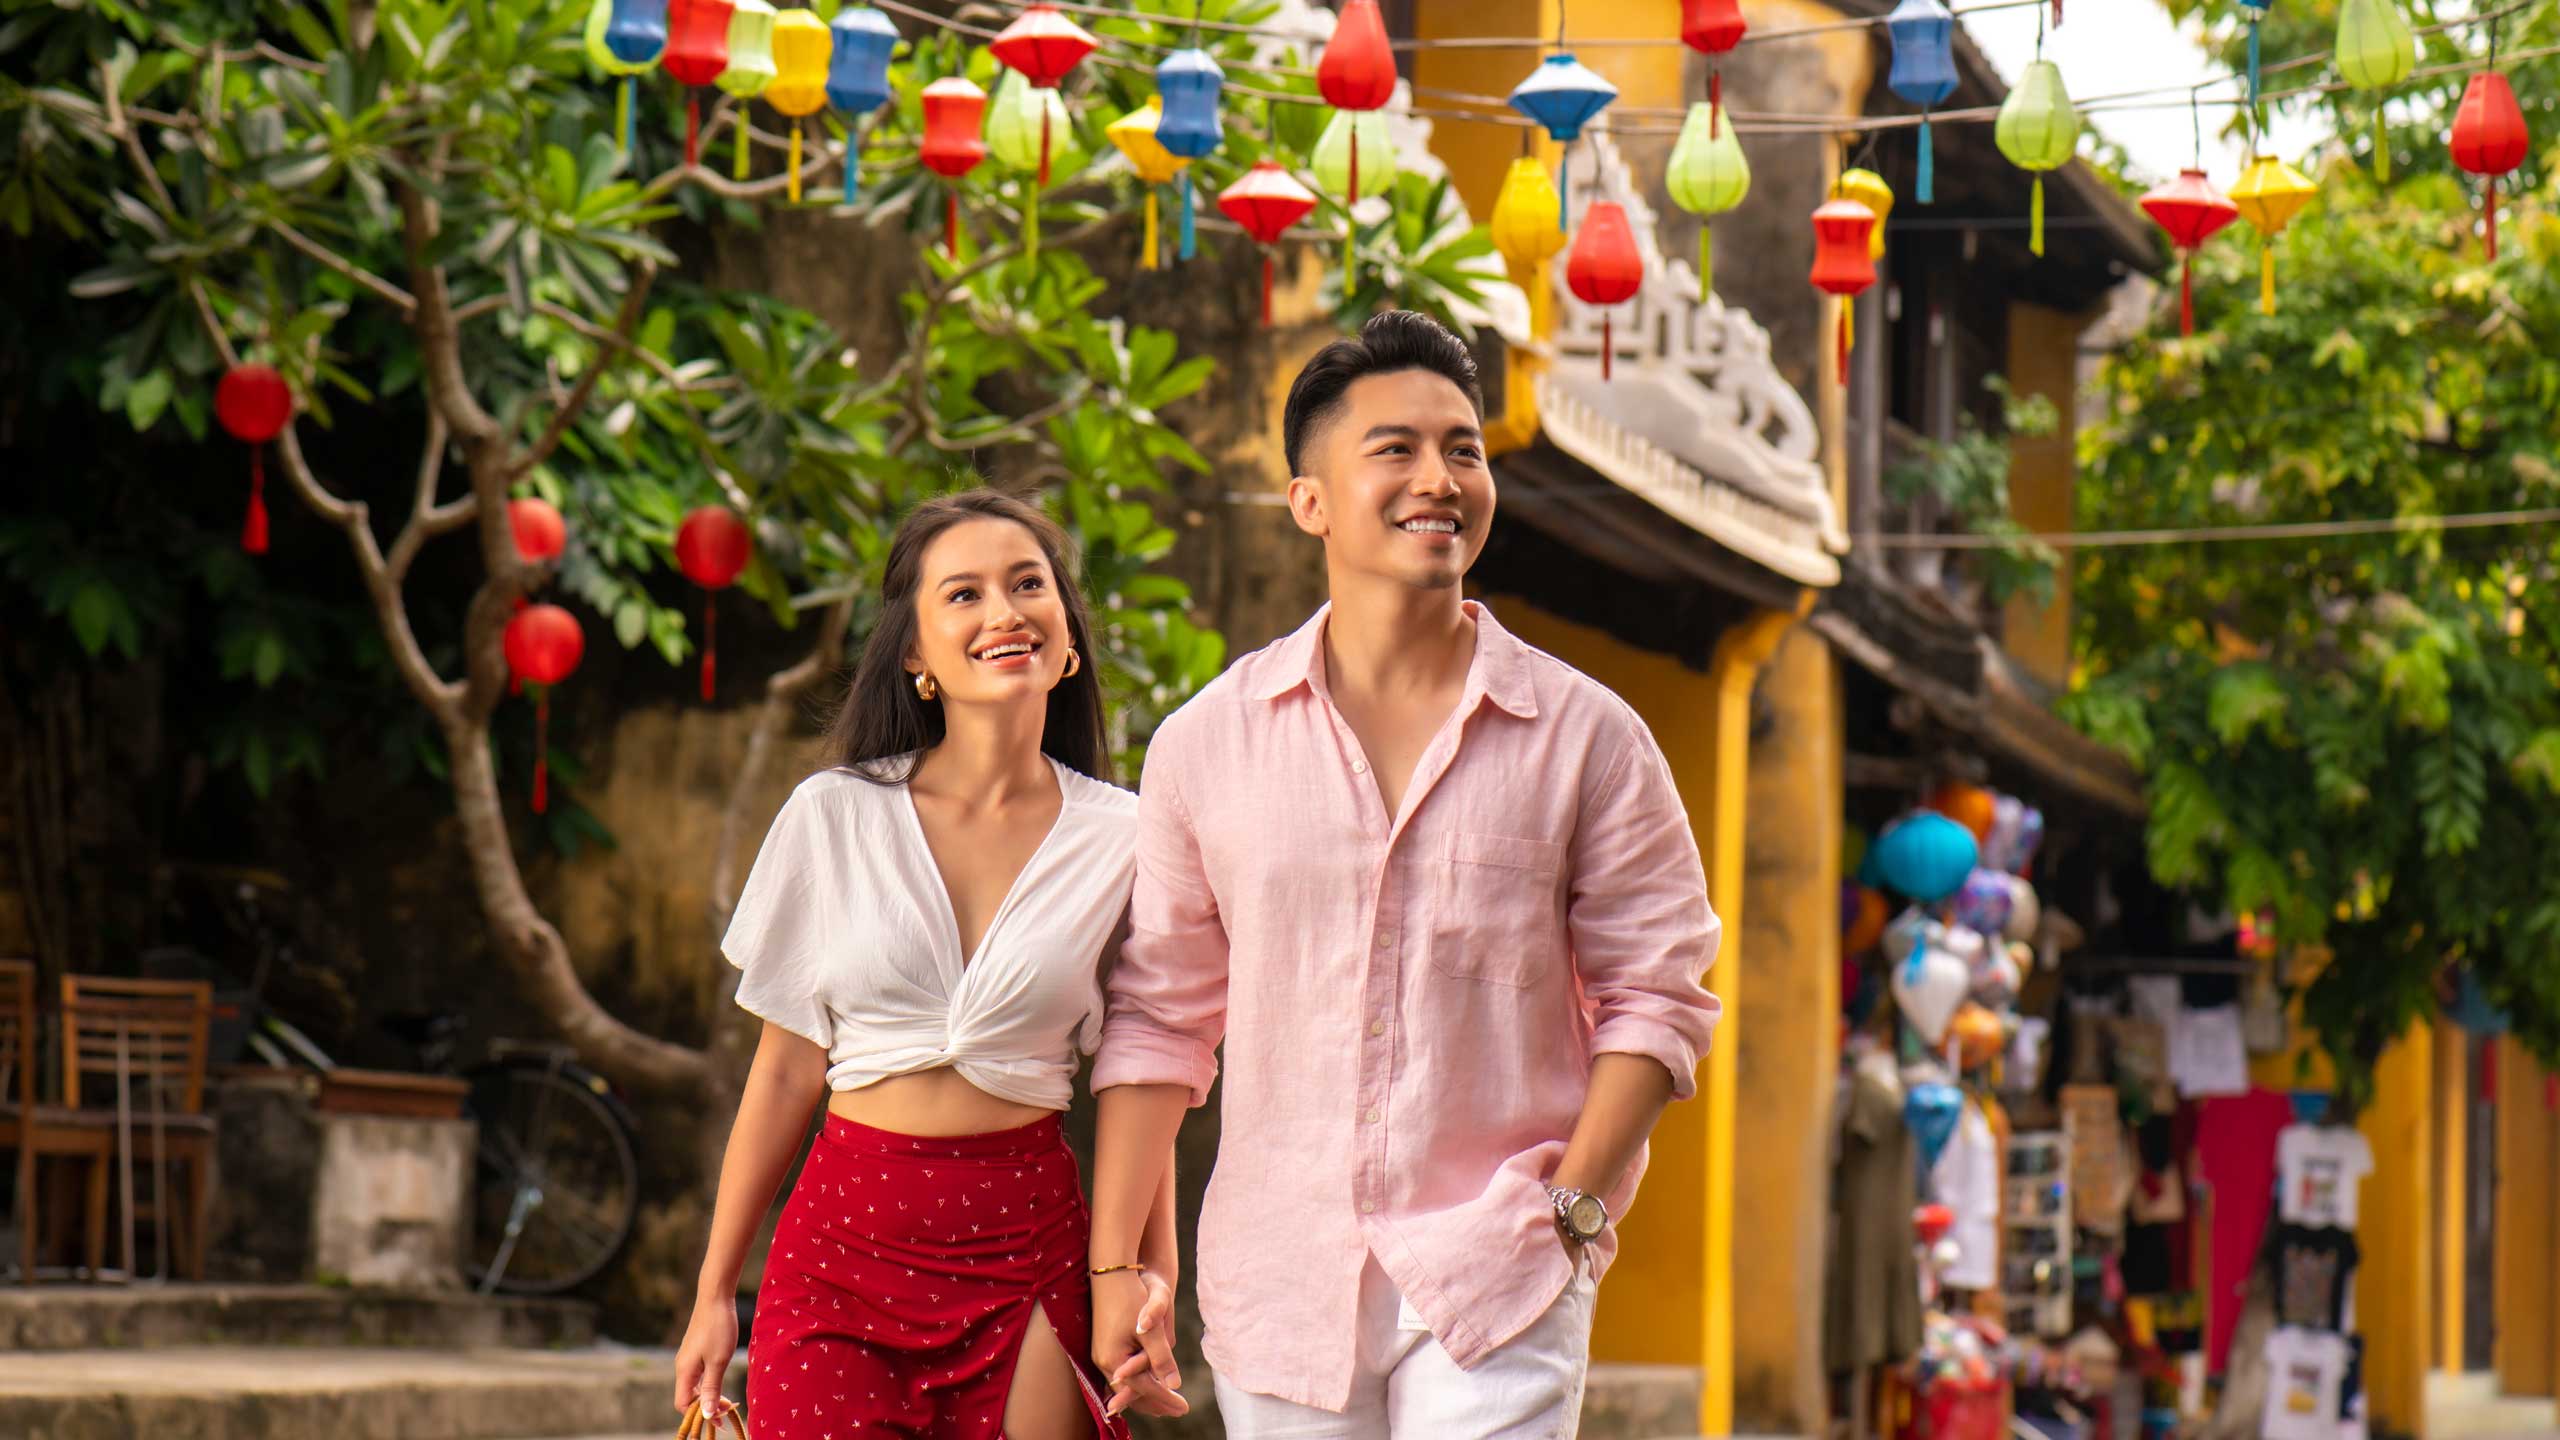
{"x": 1133, "y": 1343}
{"x": 702, "y": 1361}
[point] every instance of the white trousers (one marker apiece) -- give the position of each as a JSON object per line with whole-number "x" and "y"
{"x": 1405, "y": 1387}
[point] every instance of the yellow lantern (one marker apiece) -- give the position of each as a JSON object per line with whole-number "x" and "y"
{"x": 1134, "y": 134}
{"x": 801, "y": 45}
{"x": 1868, "y": 189}
{"x": 2270, "y": 194}
{"x": 1524, "y": 219}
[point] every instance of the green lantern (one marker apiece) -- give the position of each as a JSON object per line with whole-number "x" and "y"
{"x": 2375, "y": 52}
{"x": 2039, "y": 131}
{"x": 750, "y": 68}
{"x": 1707, "y": 176}
{"x": 599, "y": 54}
{"x": 1332, "y": 163}
{"x": 1013, "y": 137}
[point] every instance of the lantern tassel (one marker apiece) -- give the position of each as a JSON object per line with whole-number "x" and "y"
{"x": 1147, "y": 257}
{"x": 2381, "y": 146}
{"x": 1926, "y": 187}
{"x": 1848, "y": 333}
{"x": 2035, "y": 218}
{"x": 622, "y": 118}
{"x": 951, "y": 225}
{"x": 1706, "y": 260}
{"x": 2267, "y": 277}
{"x": 1715, "y": 99}
{"x": 253, "y": 528}
{"x": 2057, "y": 14}
{"x": 542, "y": 751}
{"x": 852, "y": 162}
{"x": 1608, "y": 345}
{"x": 710, "y": 644}
{"x": 1266, "y": 289}
{"x": 1188, "y": 249}
{"x": 2187, "y": 292}
{"x": 794, "y": 184}
{"x": 1044, "y": 144}
{"x": 738, "y": 155}
{"x": 2253, "y": 62}
{"x": 2489, "y": 212}
{"x": 692, "y": 131}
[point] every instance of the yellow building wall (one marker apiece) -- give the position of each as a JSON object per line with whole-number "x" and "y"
{"x": 2527, "y": 1343}
{"x": 1652, "y": 1308}
{"x": 2394, "y": 1230}
{"x": 2449, "y": 1163}
{"x": 2044, "y": 359}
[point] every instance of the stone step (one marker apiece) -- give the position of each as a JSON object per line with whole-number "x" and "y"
{"x": 349, "y": 1393}
{"x": 1641, "y": 1402}
{"x": 96, "y": 1317}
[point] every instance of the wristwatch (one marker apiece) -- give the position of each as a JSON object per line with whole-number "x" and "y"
{"x": 1579, "y": 1214}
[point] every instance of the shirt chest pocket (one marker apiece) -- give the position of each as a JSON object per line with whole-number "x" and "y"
{"x": 1499, "y": 916}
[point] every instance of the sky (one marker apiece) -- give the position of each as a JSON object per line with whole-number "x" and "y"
{"x": 2109, "y": 46}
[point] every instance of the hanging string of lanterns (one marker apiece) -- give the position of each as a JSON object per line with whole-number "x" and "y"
{"x": 1923, "y": 33}
{"x": 1843, "y": 263}
{"x": 2489, "y": 137}
{"x": 2038, "y": 130}
{"x": 1190, "y": 82}
{"x": 1357, "y": 73}
{"x": 644, "y": 36}
{"x": 254, "y": 404}
{"x": 2269, "y": 195}
{"x": 858, "y": 78}
{"x": 1707, "y": 176}
{"x": 697, "y": 51}
{"x": 750, "y": 67}
{"x": 543, "y": 645}
{"x": 1134, "y": 136}
{"x": 712, "y": 549}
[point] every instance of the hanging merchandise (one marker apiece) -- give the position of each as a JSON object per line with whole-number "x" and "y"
{"x": 1978, "y": 1035}
{"x": 1928, "y": 983}
{"x": 1868, "y": 189}
{"x": 697, "y": 51}
{"x": 1712, "y": 28}
{"x": 1022, "y": 121}
{"x": 1707, "y": 176}
{"x": 542, "y": 644}
{"x": 1604, "y": 267}
{"x": 712, "y": 549}
{"x": 954, "y": 109}
{"x": 1995, "y": 980}
{"x": 1924, "y": 73}
{"x": 1971, "y": 806}
{"x": 1363, "y": 132}
{"x": 644, "y": 30}
{"x": 1925, "y": 856}
{"x": 2489, "y": 138}
{"x": 2253, "y": 11}
{"x": 1841, "y": 266}
{"x": 1562, "y": 95}
{"x": 858, "y": 77}
{"x": 1982, "y": 902}
{"x": 2026, "y": 913}
{"x": 1042, "y": 45}
{"x": 2039, "y": 131}
{"x": 1931, "y": 1108}
{"x": 540, "y": 534}
{"x": 2270, "y": 194}
{"x": 1524, "y": 220}
{"x": 750, "y": 69}
{"x": 1190, "y": 82}
{"x": 2191, "y": 209}
{"x": 254, "y": 404}
{"x": 1134, "y": 136}
{"x": 1357, "y": 72}
{"x": 1867, "y": 911}
{"x": 1266, "y": 200}
{"x": 2375, "y": 52}
{"x": 801, "y": 46}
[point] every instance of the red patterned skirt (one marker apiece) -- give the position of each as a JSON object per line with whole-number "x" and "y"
{"x": 901, "y": 1283}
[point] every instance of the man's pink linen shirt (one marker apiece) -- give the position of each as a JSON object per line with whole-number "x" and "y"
{"x": 1410, "y": 1003}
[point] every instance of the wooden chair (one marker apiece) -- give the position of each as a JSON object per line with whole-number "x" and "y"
{"x": 133, "y": 1069}
{"x": 34, "y": 1131}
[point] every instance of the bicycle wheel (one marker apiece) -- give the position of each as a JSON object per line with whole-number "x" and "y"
{"x": 557, "y": 1186}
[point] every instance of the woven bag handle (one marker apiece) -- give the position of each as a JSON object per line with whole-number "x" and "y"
{"x": 699, "y": 1424}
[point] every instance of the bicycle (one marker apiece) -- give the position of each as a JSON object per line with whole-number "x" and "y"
{"x": 556, "y": 1180}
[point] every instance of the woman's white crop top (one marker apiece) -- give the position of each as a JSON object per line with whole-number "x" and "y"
{"x": 845, "y": 935}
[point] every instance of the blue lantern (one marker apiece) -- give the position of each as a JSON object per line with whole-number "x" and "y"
{"x": 637, "y": 32}
{"x": 1926, "y": 856}
{"x": 1924, "y": 71}
{"x": 858, "y": 77}
{"x": 1562, "y": 95}
{"x": 2255, "y": 11}
{"x": 1190, "y": 82}
{"x": 1931, "y": 1110}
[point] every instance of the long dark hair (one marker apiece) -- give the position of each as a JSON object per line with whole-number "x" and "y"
{"x": 882, "y": 718}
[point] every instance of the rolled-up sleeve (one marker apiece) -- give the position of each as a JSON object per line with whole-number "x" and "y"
{"x": 1643, "y": 932}
{"x": 1168, "y": 1006}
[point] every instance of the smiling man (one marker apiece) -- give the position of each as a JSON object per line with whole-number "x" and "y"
{"x": 1435, "y": 891}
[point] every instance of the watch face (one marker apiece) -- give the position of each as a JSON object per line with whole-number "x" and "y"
{"x": 1586, "y": 1216}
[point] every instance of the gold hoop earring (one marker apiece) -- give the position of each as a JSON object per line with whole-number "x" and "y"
{"x": 1075, "y": 662}
{"x": 925, "y": 688}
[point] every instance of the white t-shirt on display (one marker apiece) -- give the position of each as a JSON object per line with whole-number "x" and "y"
{"x": 2321, "y": 1167}
{"x": 2305, "y": 1371}
{"x": 1966, "y": 1180}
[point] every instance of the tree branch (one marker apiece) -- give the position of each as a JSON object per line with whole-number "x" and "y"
{"x": 648, "y": 359}
{"x": 438, "y": 340}
{"x": 618, "y": 340}
{"x": 402, "y": 299}
{"x": 390, "y": 609}
{"x": 427, "y": 519}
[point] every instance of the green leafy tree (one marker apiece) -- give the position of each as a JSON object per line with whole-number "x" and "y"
{"x": 2356, "y": 733}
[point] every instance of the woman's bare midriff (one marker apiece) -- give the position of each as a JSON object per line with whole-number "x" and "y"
{"x": 931, "y": 1102}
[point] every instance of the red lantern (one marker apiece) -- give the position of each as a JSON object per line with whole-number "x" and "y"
{"x": 1266, "y": 200}
{"x": 1842, "y": 263}
{"x": 543, "y": 644}
{"x": 540, "y": 533}
{"x": 697, "y": 51}
{"x": 2489, "y": 140}
{"x": 1357, "y": 72}
{"x": 712, "y": 549}
{"x": 254, "y": 404}
{"x": 1604, "y": 267}
{"x": 2190, "y": 209}
{"x": 1712, "y": 28}
{"x": 954, "y": 111}
{"x": 1044, "y": 45}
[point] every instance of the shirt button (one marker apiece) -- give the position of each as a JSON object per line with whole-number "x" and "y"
{"x": 1368, "y": 1207}
{"x": 1386, "y": 939}
{"x": 1377, "y": 1027}
{"x": 1373, "y": 1117}
{"x": 1359, "y": 767}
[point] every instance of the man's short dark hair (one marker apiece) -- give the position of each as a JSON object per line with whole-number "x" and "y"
{"x": 1392, "y": 341}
